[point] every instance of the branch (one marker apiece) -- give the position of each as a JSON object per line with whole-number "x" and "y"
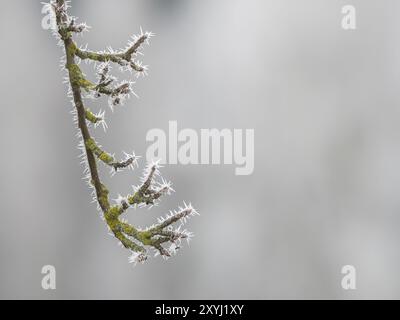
{"x": 91, "y": 117}
{"x": 149, "y": 191}
{"x": 96, "y": 119}
{"x": 183, "y": 214}
{"x": 76, "y": 28}
{"x": 106, "y": 158}
{"x": 158, "y": 235}
{"x": 118, "y": 58}
{"x": 124, "y": 59}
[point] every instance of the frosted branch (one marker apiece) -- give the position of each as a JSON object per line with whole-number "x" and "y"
{"x": 136, "y": 240}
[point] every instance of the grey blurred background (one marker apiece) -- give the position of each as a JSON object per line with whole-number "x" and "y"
{"x": 324, "y": 104}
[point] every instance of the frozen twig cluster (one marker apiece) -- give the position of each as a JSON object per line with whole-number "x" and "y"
{"x": 165, "y": 236}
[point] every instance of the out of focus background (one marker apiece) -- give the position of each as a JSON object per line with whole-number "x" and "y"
{"x": 324, "y": 104}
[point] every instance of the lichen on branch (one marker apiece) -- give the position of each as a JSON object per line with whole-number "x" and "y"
{"x": 169, "y": 229}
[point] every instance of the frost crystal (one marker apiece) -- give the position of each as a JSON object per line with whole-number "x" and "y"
{"x": 137, "y": 257}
